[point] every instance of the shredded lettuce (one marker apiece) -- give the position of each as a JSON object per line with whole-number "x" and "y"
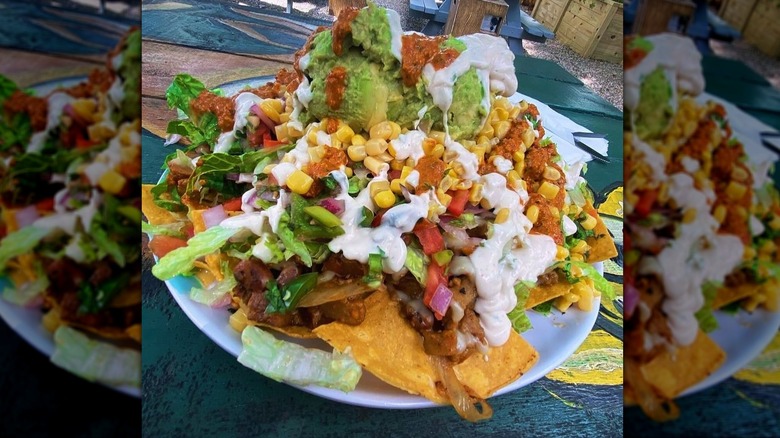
{"x": 24, "y": 294}
{"x": 96, "y": 361}
{"x": 181, "y": 260}
{"x": 20, "y": 242}
{"x": 416, "y": 263}
{"x": 518, "y": 317}
{"x": 602, "y": 284}
{"x": 291, "y": 363}
{"x": 182, "y": 90}
{"x": 215, "y": 292}
{"x": 95, "y": 298}
{"x": 291, "y": 243}
{"x": 544, "y": 308}
{"x": 172, "y": 230}
{"x": 705, "y": 315}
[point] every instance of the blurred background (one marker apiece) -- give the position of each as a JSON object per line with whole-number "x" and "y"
{"x": 44, "y": 45}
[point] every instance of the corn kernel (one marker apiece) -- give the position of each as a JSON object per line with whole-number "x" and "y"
{"x": 549, "y": 191}
{"x": 739, "y": 174}
{"x": 551, "y": 173}
{"x": 384, "y": 199}
{"x": 112, "y": 182}
{"x": 428, "y": 144}
{"x": 475, "y": 194}
{"x": 502, "y": 114}
{"x": 294, "y": 132}
{"x": 479, "y": 152}
{"x": 464, "y": 184}
{"x": 379, "y": 186}
{"x": 376, "y": 146}
{"x": 395, "y": 186}
{"x": 438, "y": 151}
{"x": 562, "y": 304}
{"x": 488, "y": 131}
{"x": 358, "y": 139}
{"x": 316, "y": 153}
{"x": 381, "y": 130}
{"x": 585, "y": 302}
{"x": 720, "y": 213}
{"x": 513, "y": 178}
{"x": 396, "y": 130}
{"x": 396, "y": 165}
{"x": 768, "y": 247}
{"x": 238, "y": 320}
{"x": 554, "y": 211}
{"x": 483, "y": 140}
{"x": 753, "y": 302}
{"x": 528, "y": 137}
{"x": 345, "y": 134}
{"x": 311, "y": 136}
{"x": 577, "y": 257}
{"x": 576, "y": 271}
{"x": 446, "y": 183}
{"x": 561, "y": 253}
{"x": 348, "y": 171}
{"x": 689, "y": 216}
{"x": 581, "y": 247}
{"x": 514, "y": 112}
{"x": 405, "y": 171}
{"x": 84, "y": 108}
{"x": 269, "y": 108}
{"x": 735, "y": 190}
{"x": 532, "y": 213}
{"x": 502, "y": 215}
{"x": 284, "y": 117}
{"x": 444, "y": 198}
{"x": 299, "y": 182}
{"x": 375, "y": 165}
{"x": 589, "y": 222}
{"x": 357, "y": 152}
{"x": 267, "y": 169}
{"x": 282, "y": 133}
{"x": 449, "y": 156}
{"x": 438, "y": 136}
{"x": 740, "y": 212}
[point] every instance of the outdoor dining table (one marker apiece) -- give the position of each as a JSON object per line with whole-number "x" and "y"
{"x": 192, "y": 387}
{"x": 36, "y": 397}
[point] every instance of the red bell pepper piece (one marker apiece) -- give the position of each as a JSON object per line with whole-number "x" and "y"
{"x": 458, "y": 202}
{"x": 232, "y": 205}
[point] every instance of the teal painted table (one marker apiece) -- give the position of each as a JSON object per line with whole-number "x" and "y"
{"x": 191, "y": 387}
{"x": 737, "y": 406}
{"x": 36, "y": 397}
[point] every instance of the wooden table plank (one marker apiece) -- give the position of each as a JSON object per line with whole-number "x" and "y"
{"x": 33, "y": 68}
{"x": 160, "y": 62}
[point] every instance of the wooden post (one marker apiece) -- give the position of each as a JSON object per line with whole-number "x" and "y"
{"x": 600, "y": 29}
{"x": 653, "y": 16}
{"x": 466, "y": 16}
{"x": 560, "y": 17}
{"x": 335, "y": 6}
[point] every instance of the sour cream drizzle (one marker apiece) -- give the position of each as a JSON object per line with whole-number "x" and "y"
{"x": 57, "y": 103}
{"x": 244, "y": 103}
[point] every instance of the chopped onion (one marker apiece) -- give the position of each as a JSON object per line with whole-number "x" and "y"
{"x": 68, "y": 109}
{"x": 231, "y": 176}
{"x": 26, "y": 216}
{"x": 172, "y": 139}
{"x": 214, "y": 215}
{"x": 333, "y": 205}
{"x": 264, "y": 118}
{"x": 464, "y": 404}
{"x": 332, "y": 291}
{"x": 440, "y": 300}
{"x": 246, "y": 178}
{"x": 457, "y": 238}
{"x": 630, "y": 300}
{"x": 268, "y": 196}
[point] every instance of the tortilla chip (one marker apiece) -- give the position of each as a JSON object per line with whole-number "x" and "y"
{"x": 239, "y": 321}
{"x": 388, "y": 347}
{"x": 292, "y": 331}
{"x": 155, "y": 215}
{"x": 602, "y": 246}
{"x": 672, "y": 373}
{"x": 504, "y": 365}
{"x": 543, "y": 294}
{"x": 728, "y": 295}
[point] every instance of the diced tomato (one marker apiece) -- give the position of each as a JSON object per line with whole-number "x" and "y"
{"x": 257, "y": 137}
{"x": 162, "y": 245}
{"x": 83, "y": 143}
{"x": 435, "y": 277}
{"x": 645, "y": 203}
{"x": 394, "y": 174}
{"x": 269, "y": 141}
{"x": 430, "y": 237}
{"x": 232, "y": 205}
{"x": 45, "y": 205}
{"x": 458, "y": 202}
{"x": 378, "y": 218}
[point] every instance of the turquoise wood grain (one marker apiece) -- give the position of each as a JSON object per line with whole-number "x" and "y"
{"x": 38, "y": 28}
{"x": 228, "y": 27}
{"x": 724, "y": 67}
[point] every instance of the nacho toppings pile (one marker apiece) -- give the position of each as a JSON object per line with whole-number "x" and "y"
{"x": 70, "y": 191}
{"x": 384, "y": 192}
{"x": 702, "y": 220}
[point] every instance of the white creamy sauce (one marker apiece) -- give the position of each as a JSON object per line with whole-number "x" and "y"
{"x": 244, "y": 103}
{"x": 301, "y": 98}
{"x": 466, "y": 158}
{"x": 653, "y": 158}
{"x": 494, "y": 63}
{"x": 420, "y": 115}
{"x": 57, "y": 103}
{"x": 697, "y": 255}
{"x": 357, "y": 242}
{"x": 674, "y": 53}
{"x": 413, "y": 179}
{"x": 282, "y": 171}
{"x": 502, "y": 165}
{"x": 689, "y": 164}
{"x": 117, "y": 92}
{"x": 254, "y": 221}
{"x": 572, "y": 173}
{"x": 394, "y": 20}
{"x": 569, "y": 227}
{"x": 116, "y": 61}
{"x": 303, "y": 62}
{"x": 756, "y": 227}
{"x": 408, "y": 145}
{"x": 67, "y": 221}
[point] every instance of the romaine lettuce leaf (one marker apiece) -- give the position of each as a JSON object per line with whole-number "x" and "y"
{"x": 705, "y": 315}
{"x": 182, "y": 90}
{"x": 96, "y": 361}
{"x": 181, "y": 260}
{"x": 216, "y": 292}
{"x": 20, "y": 242}
{"x": 291, "y": 363}
{"x": 518, "y": 317}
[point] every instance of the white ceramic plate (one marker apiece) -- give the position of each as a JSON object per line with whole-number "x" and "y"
{"x": 26, "y": 321}
{"x": 555, "y": 337}
{"x": 743, "y": 335}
